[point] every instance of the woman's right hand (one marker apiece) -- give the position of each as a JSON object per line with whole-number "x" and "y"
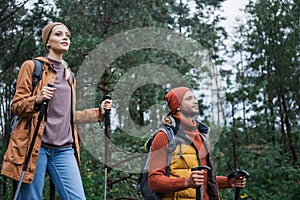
{"x": 196, "y": 179}
{"x": 45, "y": 94}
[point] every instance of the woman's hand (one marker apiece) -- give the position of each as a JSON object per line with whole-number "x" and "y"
{"x": 106, "y": 105}
{"x": 45, "y": 94}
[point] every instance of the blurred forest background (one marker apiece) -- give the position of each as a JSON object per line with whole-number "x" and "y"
{"x": 259, "y": 104}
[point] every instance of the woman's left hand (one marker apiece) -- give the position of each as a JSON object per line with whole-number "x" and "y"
{"x": 106, "y": 105}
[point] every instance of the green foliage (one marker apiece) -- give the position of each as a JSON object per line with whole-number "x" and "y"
{"x": 271, "y": 173}
{"x": 262, "y": 127}
{"x": 264, "y": 99}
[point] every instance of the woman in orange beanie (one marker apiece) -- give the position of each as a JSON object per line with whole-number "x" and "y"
{"x": 56, "y": 148}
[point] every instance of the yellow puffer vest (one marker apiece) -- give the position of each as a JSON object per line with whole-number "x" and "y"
{"x": 182, "y": 160}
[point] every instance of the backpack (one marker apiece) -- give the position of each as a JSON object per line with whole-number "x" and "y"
{"x": 143, "y": 185}
{"x": 36, "y": 77}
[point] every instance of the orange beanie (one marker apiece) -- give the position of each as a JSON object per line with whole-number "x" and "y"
{"x": 175, "y": 96}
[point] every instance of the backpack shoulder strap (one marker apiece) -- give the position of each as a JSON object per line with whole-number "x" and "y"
{"x": 36, "y": 77}
{"x": 37, "y": 73}
{"x": 171, "y": 133}
{"x": 73, "y": 77}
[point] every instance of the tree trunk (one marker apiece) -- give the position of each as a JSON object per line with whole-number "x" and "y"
{"x": 288, "y": 131}
{"x": 233, "y": 140}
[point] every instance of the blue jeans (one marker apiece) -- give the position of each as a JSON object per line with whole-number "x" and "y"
{"x": 62, "y": 168}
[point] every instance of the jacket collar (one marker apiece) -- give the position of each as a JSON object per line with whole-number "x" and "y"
{"x": 170, "y": 120}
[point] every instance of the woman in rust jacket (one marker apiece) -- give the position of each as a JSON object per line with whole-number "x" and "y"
{"x": 56, "y": 149}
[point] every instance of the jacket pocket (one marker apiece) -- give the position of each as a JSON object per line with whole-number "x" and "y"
{"x": 17, "y": 147}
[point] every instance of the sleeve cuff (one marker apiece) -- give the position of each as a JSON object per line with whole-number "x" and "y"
{"x": 99, "y": 116}
{"x": 223, "y": 182}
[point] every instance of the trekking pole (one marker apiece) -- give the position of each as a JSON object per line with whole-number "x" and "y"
{"x": 43, "y": 112}
{"x": 107, "y": 152}
{"x": 198, "y": 189}
{"x": 238, "y": 174}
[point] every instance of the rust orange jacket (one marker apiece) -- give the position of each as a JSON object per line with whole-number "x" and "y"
{"x": 23, "y": 105}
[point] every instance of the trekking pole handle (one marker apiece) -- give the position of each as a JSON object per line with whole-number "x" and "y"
{"x": 107, "y": 117}
{"x": 241, "y": 173}
{"x": 238, "y": 174}
{"x": 50, "y": 85}
{"x": 104, "y": 98}
{"x": 45, "y": 106}
{"x": 201, "y": 168}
